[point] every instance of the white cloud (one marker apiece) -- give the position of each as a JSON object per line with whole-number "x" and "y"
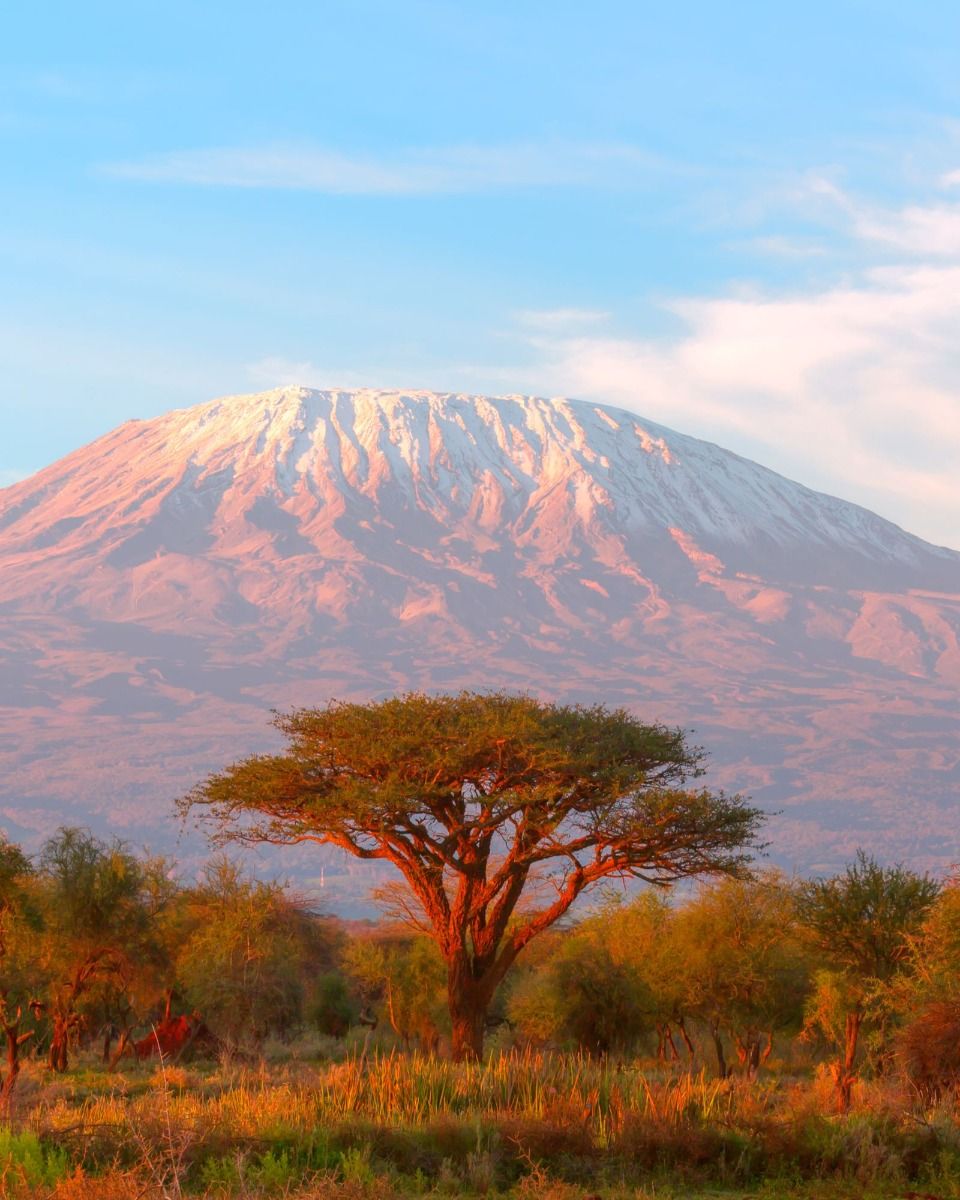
{"x": 8, "y": 476}
{"x": 560, "y": 319}
{"x": 784, "y": 247}
{"x": 413, "y": 172}
{"x": 916, "y": 230}
{"x": 853, "y": 389}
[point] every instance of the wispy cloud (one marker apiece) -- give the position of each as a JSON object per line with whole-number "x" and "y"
{"x": 413, "y": 172}
{"x": 9, "y": 476}
{"x": 778, "y": 246}
{"x": 917, "y": 230}
{"x": 854, "y": 388}
{"x": 559, "y": 320}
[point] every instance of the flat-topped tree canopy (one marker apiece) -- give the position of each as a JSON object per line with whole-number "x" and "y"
{"x": 470, "y": 796}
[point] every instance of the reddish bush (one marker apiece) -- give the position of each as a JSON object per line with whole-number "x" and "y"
{"x": 174, "y": 1035}
{"x": 930, "y": 1048}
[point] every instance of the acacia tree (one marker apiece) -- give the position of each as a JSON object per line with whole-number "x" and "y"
{"x": 242, "y": 953}
{"x": 471, "y": 796}
{"x": 743, "y": 970}
{"x": 16, "y": 919}
{"x": 100, "y": 906}
{"x": 861, "y": 924}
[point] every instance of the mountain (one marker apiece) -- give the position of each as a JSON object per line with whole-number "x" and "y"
{"x": 166, "y": 586}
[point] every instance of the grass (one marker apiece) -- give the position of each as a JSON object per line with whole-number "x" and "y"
{"x": 531, "y": 1126}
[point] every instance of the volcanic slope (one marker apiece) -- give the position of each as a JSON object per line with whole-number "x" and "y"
{"x": 164, "y": 587}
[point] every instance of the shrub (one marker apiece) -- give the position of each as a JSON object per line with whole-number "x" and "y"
{"x": 930, "y": 1048}
{"x": 26, "y": 1163}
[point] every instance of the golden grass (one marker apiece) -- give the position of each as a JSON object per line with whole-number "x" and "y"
{"x": 518, "y": 1120}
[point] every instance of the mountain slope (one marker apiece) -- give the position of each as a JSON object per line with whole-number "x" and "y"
{"x": 165, "y": 586}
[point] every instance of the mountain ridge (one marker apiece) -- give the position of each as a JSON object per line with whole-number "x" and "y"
{"x": 180, "y": 576}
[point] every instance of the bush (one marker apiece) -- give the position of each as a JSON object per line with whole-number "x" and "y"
{"x": 930, "y": 1049}
{"x": 26, "y": 1163}
{"x": 332, "y": 1010}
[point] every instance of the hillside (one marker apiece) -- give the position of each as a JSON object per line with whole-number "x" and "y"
{"x": 162, "y": 588}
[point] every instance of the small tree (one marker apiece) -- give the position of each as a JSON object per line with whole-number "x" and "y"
{"x": 926, "y": 996}
{"x": 743, "y": 970}
{"x": 600, "y": 985}
{"x": 240, "y": 964}
{"x": 406, "y": 973}
{"x": 99, "y": 906}
{"x": 861, "y": 924}
{"x": 16, "y": 920}
{"x": 469, "y": 797}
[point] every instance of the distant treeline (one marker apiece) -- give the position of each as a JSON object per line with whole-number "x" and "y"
{"x": 101, "y": 947}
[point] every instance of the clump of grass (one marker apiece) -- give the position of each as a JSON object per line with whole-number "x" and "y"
{"x": 26, "y": 1163}
{"x": 421, "y": 1124}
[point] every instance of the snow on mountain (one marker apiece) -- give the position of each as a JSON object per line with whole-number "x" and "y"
{"x": 162, "y": 588}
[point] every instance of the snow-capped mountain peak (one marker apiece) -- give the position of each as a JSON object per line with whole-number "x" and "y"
{"x": 163, "y": 587}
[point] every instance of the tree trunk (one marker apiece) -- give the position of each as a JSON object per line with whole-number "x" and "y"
{"x": 58, "y": 1045}
{"x": 682, "y": 1026}
{"x": 468, "y": 1022}
{"x": 668, "y": 1034}
{"x": 749, "y": 1053}
{"x": 722, "y": 1069}
{"x": 121, "y": 1049}
{"x": 845, "y": 1069}
{"x": 468, "y": 999}
{"x": 15, "y": 1040}
{"x": 753, "y": 1057}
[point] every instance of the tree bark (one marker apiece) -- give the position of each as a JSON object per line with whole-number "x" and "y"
{"x": 845, "y": 1069}
{"x": 749, "y": 1053}
{"x": 468, "y": 1021}
{"x": 469, "y": 1000}
{"x": 722, "y": 1068}
{"x": 15, "y": 1040}
{"x": 121, "y": 1049}
{"x": 682, "y": 1026}
{"x": 58, "y": 1045}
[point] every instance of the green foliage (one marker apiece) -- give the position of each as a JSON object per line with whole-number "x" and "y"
{"x": 471, "y": 796}
{"x": 861, "y": 920}
{"x": 25, "y": 1160}
{"x": 603, "y": 987}
{"x": 359, "y": 770}
{"x": 862, "y": 924}
{"x": 406, "y": 975}
{"x": 933, "y": 951}
{"x": 356, "y": 1165}
{"x": 96, "y": 935}
{"x": 737, "y": 950}
{"x": 20, "y": 922}
{"x": 241, "y": 966}
{"x": 331, "y": 1008}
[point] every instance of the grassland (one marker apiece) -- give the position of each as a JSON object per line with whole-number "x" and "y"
{"x": 534, "y": 1126}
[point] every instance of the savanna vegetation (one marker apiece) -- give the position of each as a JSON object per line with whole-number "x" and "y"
{"x": 742, "y": 1034}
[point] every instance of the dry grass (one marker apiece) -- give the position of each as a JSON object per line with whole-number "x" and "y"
{"x": 539, "y": 1126}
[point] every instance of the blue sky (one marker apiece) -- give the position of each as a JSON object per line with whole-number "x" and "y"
{"x": 742, "y": 220}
